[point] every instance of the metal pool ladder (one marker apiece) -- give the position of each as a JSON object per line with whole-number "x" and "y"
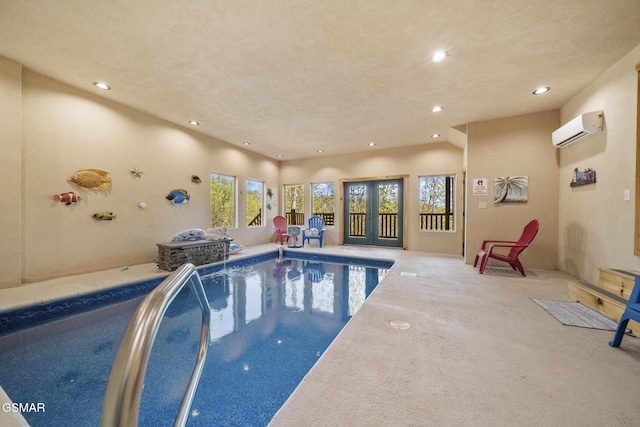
{"x": 122, "y": 399}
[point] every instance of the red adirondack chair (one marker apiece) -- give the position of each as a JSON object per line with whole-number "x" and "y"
{"x": 280, "y": 223}
{"x": 515, "y": 248}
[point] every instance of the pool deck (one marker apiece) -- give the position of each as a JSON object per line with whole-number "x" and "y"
{"x": 437, "y": 344}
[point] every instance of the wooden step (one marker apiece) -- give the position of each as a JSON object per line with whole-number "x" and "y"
{"x": 602, "y": 301}
{"x": 618, "y": 282}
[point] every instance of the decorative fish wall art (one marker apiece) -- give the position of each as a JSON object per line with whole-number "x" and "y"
{"x": 69, "y": 198}
{"x": 178, "y": 197}
{"x": 91, "y": 179}
{"x": 104, "y": 216}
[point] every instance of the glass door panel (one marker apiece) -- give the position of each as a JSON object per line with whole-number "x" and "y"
{"x": 387, "y": 208}
{"x": 357, "y": 215}
{"x": 373, "y": 213}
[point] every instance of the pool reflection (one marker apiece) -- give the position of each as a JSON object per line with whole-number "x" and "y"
{"x": 334, "y": 291}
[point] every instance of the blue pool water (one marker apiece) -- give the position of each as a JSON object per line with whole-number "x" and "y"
{"x": 271, "y": 320}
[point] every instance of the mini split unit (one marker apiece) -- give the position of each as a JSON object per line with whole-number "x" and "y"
{"x": 578, "y": 128}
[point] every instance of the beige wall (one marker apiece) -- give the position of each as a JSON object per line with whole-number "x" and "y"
{"x": 10, "y": 172}
{"x": 514, "y": 146}
{"x": 66, "y": 129}
{"x": 596, "y": 224}
{"x": 49, "y": 130}
{"x": 427, "y": 159}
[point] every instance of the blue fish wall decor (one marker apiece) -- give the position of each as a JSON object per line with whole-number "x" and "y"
{"x": 178, "y": 197}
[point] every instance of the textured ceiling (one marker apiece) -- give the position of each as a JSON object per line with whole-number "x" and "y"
{"x": 292, "y": 77}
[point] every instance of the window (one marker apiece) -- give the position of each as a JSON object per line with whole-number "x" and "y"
{"x": 294, "y": 204}
{"x": 437, "y": 202}
{"x": 323, "y": 201}
{"x": 223, "y": 200}
{"x": 254, "y": 202}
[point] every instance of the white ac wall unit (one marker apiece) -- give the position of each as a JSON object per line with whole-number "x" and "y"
{"x": 578, "y": 128}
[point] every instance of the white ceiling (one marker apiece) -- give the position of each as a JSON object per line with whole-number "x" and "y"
{"x": 295, "y": 76}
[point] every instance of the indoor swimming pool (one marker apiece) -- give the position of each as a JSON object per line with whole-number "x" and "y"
{"x": 272, "y": 317}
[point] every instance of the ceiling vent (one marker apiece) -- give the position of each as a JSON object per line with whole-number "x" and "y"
{"x": 578, "y": 128}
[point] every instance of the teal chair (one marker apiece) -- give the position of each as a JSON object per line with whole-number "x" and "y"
{"x": 632, "y": 312}
{"x": 315, "y": 230}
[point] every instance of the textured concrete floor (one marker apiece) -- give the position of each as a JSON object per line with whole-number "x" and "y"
{"x": 478, "y": 352}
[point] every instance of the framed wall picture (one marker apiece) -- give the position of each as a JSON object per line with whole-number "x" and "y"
{"x": 587, "y": 176}
{"x": 511, "y": 189}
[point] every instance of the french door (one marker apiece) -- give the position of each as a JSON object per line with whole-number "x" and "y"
{"x": 373, "y": 212}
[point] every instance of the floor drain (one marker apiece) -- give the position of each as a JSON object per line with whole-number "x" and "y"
{"x": 399, "y": 324}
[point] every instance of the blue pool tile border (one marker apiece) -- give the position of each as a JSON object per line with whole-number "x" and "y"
{"x": 27, "y": 317}
{"x": 365, "y": 262}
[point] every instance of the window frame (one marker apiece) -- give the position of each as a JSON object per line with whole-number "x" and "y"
{"x": 246, "y": 204}
{"x": 328, "y": 222}
{"x": 286, "y": 214}
{"x": 450, "y": 200}
{"x": 234, "y": 214}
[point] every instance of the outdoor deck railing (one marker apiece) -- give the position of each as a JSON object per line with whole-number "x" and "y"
{"x": 387, "y": 225}
{"x": 257, "y": 220}
{"x": 297, "y": 218}
{"x": 387, "y": 222}
{"x": 436, "y": 221}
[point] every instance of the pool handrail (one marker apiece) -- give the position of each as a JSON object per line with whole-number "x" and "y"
{"x": 121, "y": 405}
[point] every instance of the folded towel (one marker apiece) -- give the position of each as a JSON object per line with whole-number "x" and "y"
{"x": 312, "y": 232}
{"x": 192, "y": 234}
{"x": 218, "y": 233}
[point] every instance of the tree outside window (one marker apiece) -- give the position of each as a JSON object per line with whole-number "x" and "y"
{"x": 223, "y": 200}
{"x": 254, "y": 203}
{"x": 437, "y": 202}
{"x": 294, "y": 204}
{"x": 323, "y": 201}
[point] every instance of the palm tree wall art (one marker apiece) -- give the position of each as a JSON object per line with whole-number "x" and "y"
{"x": 510, "y": 189}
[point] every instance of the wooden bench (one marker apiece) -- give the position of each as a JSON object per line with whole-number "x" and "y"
{"x": 631, "y": 312}
{"x": 610, "y": 296}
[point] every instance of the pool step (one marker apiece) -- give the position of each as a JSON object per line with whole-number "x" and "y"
{"x": 610, "y": 296}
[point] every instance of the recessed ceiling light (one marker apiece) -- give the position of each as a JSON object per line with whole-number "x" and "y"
{"x": 194, "y": 123}
{"x": 541, "y": 90}
{"x": 320, "y": 151}
{"x": 437, "y": 109}
{"x": 435, "y": 135}
{"x": 279, "y": 156}
{"x": 102, "y": 85}
{"x": 439, "y": 56}
{"x": 246, "y": 143}
{"x": 371, "y": 144}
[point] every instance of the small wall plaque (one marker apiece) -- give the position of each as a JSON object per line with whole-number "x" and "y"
{"x": 587, "y": 176}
